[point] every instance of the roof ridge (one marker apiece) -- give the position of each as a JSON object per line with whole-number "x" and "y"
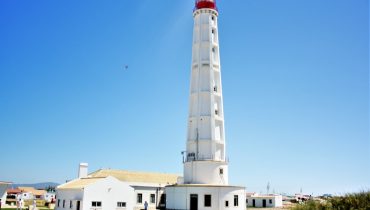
{"x": 134, "y": 171}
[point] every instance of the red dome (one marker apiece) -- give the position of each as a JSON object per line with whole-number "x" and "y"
{"x": 208, "y": 4}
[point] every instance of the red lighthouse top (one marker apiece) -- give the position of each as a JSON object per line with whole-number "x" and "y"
{"x": 205, "y": 4}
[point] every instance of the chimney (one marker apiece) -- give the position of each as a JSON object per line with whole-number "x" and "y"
{"x": 82, "y": 170}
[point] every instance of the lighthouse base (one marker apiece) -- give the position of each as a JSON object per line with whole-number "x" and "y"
{"x": 205, "y": 197}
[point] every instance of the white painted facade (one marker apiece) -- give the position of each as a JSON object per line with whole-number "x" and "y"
{"x": 48, "y": 197}
{"x": 108, "y": 191}
{"x": 205, "y": 184}
{"x": 3, "y": 187}
{"x": 221, "y": 197}
{"x": 262, "y": 201}
{"x": 205, "y": 146}
{"x": 97, "y": 191}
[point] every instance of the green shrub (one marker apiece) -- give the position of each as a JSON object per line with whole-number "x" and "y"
{"x": 354, "y": 201}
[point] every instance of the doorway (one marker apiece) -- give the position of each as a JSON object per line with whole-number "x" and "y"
{"x": 264, "y": 202}
{"x": 193, "y": 201}
{"x": 78, "y": 205}
{"x": 254, "y": 203}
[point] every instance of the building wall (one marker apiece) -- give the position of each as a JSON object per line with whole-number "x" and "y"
{"x": 178, "y": 198}
{"x": 3, "y": 188}
{"x": 146, "y": 193}
{"x": 276, "y": 201}
{"x": 109, "y": 191}
{"x": 67, "y": 196}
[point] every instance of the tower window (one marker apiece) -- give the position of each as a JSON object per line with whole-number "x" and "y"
{"x": 215, "y": 88}
{"x": 221, "y": 171}
{"x": 216, "y": 112}
{"x": 226, "y": 203}
{"x": 236, "y": 200}
{"x": 207, "y": 200}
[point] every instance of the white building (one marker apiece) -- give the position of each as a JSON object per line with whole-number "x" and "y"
{"x": 48, "y": 197}
{"x": 113, "y": 189}
{"x": 3, "y": 187}
{"x": 263, "y": 201}
{"x": 205, "y": 184}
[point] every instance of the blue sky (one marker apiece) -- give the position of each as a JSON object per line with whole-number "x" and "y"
{"x": 295, "y": 81}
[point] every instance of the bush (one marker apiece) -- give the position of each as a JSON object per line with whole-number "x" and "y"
{"x": 354, "y": 201}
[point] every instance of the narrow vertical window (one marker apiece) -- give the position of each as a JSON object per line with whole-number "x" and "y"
{"x": 236, "y": 200}
{"x": 139, "y": 198}
{"x": 207, "y": 200}
{"x": 152, "y": 198}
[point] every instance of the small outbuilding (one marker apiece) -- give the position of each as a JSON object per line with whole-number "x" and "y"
{"x": 263, "y": 201}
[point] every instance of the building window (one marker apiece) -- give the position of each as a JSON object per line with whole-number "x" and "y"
{"x": 213, "y": 49}
{"x": 213, "y": 18}
{"x": 64, "y": 203}
{"x": 207, "y": 200}
{"x": 216, "y": 112}
{"x": 96, "y": 203}
{"x": 270, "y": 201}
{"x": 70, "y": 204}
{"x": 215, "y": 88}
{"x": 121, "y": 204}
{"x": 152, "y": 198}
{"x": 246, "y": 201}
{"x": 226, "y": 203}
{"x": 236, "y": 200}
{"x": 139, "y": 198}
{"x": 221, "y": 171}
{"x": 58, "y": 203}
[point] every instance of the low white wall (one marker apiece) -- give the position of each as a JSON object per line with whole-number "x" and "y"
{"x": 178, "y": 197}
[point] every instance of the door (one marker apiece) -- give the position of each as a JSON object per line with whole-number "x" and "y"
{"x": 78, "y": 205}
{"x": 193, "y": 202}
{"x": 254, "y": 203}
{"x": 264, "y": 202}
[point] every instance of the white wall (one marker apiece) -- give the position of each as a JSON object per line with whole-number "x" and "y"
{"x": 206, "y": 172}
{"x": 109, "y": 191}
{"x": 277, "y": 201}
{"x": 178, "y": 197}
{"x": 3, "y": 188}
{"x": 73, "y": 195}
{"x": 146, "y": 192}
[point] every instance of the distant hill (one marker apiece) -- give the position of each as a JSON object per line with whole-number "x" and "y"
{"x": 42, "y": 185}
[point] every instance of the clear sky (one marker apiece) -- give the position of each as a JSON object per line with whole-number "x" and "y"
{"x": 295, "y": 81}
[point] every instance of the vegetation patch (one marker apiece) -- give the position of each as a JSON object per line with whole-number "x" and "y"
{"x": 353, "y": 201}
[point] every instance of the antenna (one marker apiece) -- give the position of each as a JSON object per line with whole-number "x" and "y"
{"x": 268, "y": 187}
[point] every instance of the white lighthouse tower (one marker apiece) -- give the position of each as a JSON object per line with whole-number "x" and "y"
{"x": 205, "y": 150}
{"x": 205, "y": 183}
